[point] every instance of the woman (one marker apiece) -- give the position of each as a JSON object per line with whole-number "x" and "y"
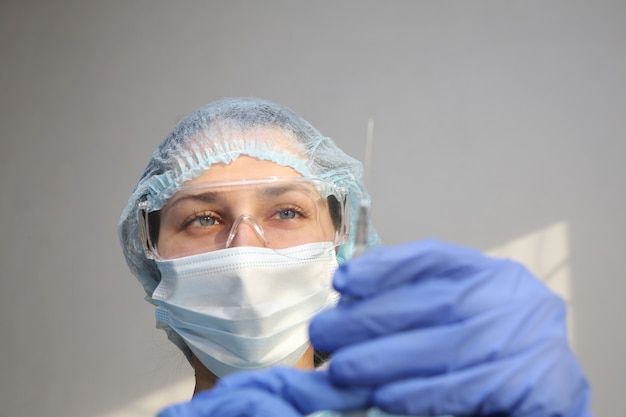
{"x": 236, "y": 231}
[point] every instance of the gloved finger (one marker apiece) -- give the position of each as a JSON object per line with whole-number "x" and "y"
{"x": 387, "y": 267}
{"x": 490, "y": 336}
{"x": 248, "y": 402}
{"x": 426, "y": 303}
{"x": 307, "y": 391}
{"x": 510, "y": 386}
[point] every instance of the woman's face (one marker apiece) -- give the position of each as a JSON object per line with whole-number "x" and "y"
{"x": 200, "y": 218}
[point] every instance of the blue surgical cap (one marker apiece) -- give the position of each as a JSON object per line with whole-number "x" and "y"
{"x": 219, "y": 133}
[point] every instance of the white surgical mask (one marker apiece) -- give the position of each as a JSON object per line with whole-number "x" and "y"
{"x": 246, "y": 307}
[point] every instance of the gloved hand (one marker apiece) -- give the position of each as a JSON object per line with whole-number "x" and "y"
{"x": 439, "y": 329}
{"x": 276, "y": 392}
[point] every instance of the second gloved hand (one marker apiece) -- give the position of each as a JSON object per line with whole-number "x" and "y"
{"x": 440, "y": 329}
{"x": 275, "y": 392}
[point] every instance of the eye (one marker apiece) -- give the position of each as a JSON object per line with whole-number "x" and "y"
{"x": 287, "y": 214}
{"x": 291, "y": 213}
{"x": 206, "y": 221}
{"x": 203, "y": 220}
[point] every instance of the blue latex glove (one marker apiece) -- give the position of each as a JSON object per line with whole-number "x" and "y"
{"x": 284, "y": 392}
{"x": 439, "y": 329}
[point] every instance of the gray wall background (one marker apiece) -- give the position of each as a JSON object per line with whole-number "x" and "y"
{"x": 494, "y": 119}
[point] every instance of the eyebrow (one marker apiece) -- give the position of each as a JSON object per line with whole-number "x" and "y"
{"x": 214, "y": 196}
{"x": 206, "y": 197}
{"x": 282, "y": 189}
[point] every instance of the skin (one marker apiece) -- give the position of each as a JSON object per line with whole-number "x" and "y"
{"x": 205, "y": 379}
{"x": 248, "y": 168}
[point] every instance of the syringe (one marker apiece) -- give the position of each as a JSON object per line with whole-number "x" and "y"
{"x": 362, "y": 230}
{"x": 362, "y": 222}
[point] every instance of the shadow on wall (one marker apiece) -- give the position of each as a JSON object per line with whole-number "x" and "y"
{"x": 546, "y": 253}
{"x": 149, "y": 405}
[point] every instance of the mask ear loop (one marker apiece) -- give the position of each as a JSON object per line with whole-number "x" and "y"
{"x": 252, "y": 222}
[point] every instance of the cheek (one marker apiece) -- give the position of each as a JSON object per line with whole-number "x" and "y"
{"x": 171, "y": 243}
{"x": 328, "y": 228}
{"x": 166, "y": 244}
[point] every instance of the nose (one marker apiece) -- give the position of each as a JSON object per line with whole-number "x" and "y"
{"x": 246, "y": 232}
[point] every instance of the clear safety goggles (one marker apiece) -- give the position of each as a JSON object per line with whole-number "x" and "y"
{"x": 275, "y": 212}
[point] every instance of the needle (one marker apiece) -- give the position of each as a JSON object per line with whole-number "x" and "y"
{"x": 360, "y": 238}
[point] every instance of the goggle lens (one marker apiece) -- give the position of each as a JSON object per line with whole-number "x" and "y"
{"x": 276, "y": 213}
